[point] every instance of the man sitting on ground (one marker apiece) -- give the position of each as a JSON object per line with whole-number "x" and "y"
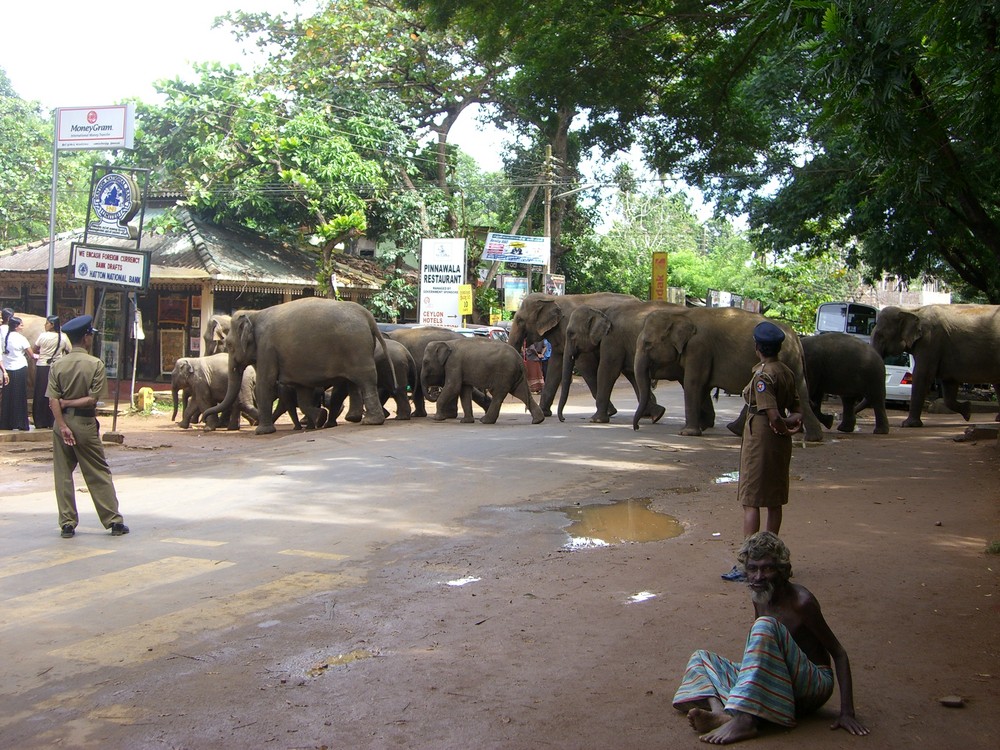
{"x": 785, "y": 671}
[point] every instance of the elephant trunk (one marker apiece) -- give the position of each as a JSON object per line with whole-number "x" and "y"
{"x": 517, "y": 335}
{"x": 232, "y": 389}
{"x": 174, "y": 388}
{"x": 568, "y": 360}
{"x": 643, "y": 383}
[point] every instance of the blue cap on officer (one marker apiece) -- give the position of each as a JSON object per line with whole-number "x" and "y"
{"x": 79, "y": 326}
{"x": 763, "y": 333}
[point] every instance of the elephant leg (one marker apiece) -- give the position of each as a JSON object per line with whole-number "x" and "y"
{"x": 468, "y": 417}
{"x": 446, "y": 402}
{"x": 848, "y": 420}
{"x": 816, "y": 404}
{"x": 496, "y": 401}
{"x": 266, "y": 383}
{"x": 694, "y": 397}
{"x": 315, "y": 415}
{"x": 949, "y": 390}
{"x": 417, "y": 394}
{"x": 372, "y": 406}
{"x": 355, "y": 407}
{"x": 881, "y": 416}
{"x": 401, "y": 399}
{"x": 706, "y": 418}
{"x": 192, "y": 412}
{"x": 523, "y": 393}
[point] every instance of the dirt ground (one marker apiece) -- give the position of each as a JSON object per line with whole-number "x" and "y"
{"x": 548, "y": 648}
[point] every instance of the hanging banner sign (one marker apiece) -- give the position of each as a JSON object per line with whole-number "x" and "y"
{"x": 127, "y": 270}
{"x": 442, "y": 271}
{"x": 658, "y": 289}
{"x": 115, "y": 200}
{"x": 90, "y": 128}
{"x": 516, "y": 248}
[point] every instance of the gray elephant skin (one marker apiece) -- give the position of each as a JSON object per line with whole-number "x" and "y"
{"x": 396, "y": 373}
{"x": 215, "y": 334}
{"x": 711, "y": 348}
{"x": 609, "y": 335}
{"x": 416, "y": 340}
{"x": 843, "y": 365}
{"x": 952, "y": 343}
{"x": 202, "y": 382}
{"x": 546, "y": 316}
{"x": 306, "y": 344}
{"x": 461, "y": 365}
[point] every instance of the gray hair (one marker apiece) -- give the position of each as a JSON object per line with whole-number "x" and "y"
{"x": 765, "y": 544}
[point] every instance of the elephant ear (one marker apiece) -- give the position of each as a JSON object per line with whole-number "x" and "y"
{"x": 679, "y": 333}
{"x": 246, "y": 336}
{"x": 598, "y": 326}
{"x": 547, "y": 318}
{"x": 909, "y": 330}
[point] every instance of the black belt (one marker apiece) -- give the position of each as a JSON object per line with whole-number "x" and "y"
{"x": 76, "y": 411}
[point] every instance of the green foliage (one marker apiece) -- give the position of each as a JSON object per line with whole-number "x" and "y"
{"x": 26, "y": 173}
{"x": 395, "y": 296}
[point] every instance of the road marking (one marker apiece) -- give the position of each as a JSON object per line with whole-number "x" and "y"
{"x": 145, "y": 641}
{"x": 45, "y": 558}
{"x": 103, "y": 588}
{"x": 194, "y": 542}
{"x": 310, "y": 553}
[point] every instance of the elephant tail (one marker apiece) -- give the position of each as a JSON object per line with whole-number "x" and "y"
{"x": 380, "y": 340}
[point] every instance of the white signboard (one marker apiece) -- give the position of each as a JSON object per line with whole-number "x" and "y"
{"x": 442, "y": 272}
{"x": 516, "y": 248}
{"x": 81, "y": 128}
{"x": 126, "y": 269}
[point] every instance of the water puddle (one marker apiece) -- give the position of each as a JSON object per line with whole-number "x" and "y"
{"x": 629, "y": 521}
{"x": 728, "y": 478}
{"x": 339, "y": 660}
{"x": 463, "y": 581}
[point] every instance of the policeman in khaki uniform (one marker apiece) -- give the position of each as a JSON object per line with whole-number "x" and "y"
{"x": 75, "y": 383}
{"x": 773, "y": 415}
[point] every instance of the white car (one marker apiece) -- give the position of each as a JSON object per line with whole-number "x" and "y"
{"x": 898, "y": 377}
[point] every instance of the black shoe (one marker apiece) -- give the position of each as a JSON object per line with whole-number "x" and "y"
{"x": 118, "y": 529}
{"x": 735, "y": 575}
{"x": 67, "y": 531}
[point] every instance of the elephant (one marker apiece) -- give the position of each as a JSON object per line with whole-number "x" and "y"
{"x": 215, "y": 334}
{"x": 845, "y": 366}
{"x": 712, "y": 347}
{"x": 395, "y": 374}
{"x": 416, "y": 340}
{"x": 306, "y": 343}
{"x": 204, "y": 382}
{"x": 545, "y": 316}
{"x": 610, "y": 336}
{"x": 952, "y": 343}
{"x": 458, "y": 366}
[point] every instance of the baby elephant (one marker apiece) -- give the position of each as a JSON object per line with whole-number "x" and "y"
{"x": 460, "y": 365}
{"x": 842, "y": 365}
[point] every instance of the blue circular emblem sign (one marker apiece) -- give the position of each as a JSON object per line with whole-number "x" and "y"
{"x": 761, "y": 387}
{"x": 114, "y": 198}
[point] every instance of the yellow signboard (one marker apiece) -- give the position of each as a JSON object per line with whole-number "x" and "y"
{"x": 465, "y": 299}
{"x": 658, "y": 289}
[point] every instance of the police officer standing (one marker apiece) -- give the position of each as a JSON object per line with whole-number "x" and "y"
{"x": 75, "y": 383}
{"x": 773, "y": 415}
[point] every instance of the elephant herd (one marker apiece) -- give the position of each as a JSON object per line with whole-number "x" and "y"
{"x": 316, "y": 354}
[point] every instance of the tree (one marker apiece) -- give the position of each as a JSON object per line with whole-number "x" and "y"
{"x": 26, "y": 173}
{"x": 244, "y": 154}
{"x": 869, "y": 126}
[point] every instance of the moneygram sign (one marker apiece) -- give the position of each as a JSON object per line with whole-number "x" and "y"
{"x": 94, "y": 128}
{"x": 127, "y": 270}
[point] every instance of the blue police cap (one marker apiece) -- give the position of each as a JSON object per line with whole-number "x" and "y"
{"x": 763, "y": 333}
{"x": 79, "y": 326}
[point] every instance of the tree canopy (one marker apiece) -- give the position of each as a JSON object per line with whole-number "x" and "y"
{"x": 868, "y": 127}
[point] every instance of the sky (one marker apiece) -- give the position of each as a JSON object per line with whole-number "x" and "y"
{"x": 63, "y": 53}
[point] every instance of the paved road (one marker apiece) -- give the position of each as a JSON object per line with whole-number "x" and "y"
{"x": 222, "y": 538}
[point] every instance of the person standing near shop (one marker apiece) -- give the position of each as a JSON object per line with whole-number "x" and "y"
{"x": 49, "y": 347}
{"x": 75, "y": 383}
{"x": 773, "y": 415}
{"x": 16, "y": 350}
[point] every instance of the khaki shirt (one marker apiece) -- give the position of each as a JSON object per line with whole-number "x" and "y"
{"x": 76, "y": 375}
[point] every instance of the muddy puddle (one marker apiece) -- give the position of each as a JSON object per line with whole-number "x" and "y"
{"x": 627, "y": 521}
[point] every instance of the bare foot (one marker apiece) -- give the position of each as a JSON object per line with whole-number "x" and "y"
{"x": 705, "y": 721}
{"x": 741, "y": 727}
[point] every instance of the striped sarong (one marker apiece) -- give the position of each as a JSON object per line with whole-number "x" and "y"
{"x": 775, "y": 681}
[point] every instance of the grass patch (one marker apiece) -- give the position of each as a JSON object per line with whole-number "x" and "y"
{"x": 993, "y": 548}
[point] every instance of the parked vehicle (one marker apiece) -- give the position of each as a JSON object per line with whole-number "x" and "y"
{"x": 854, "y": 318}
{"x": 898, "y": 377}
